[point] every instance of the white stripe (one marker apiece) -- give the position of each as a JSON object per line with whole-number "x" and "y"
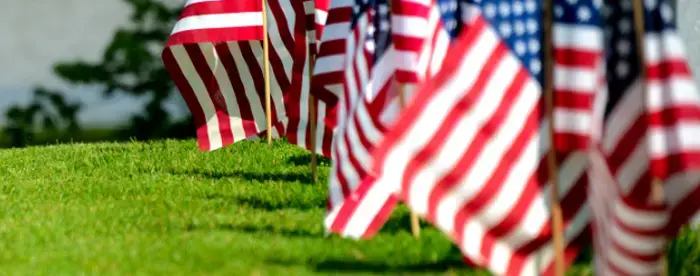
{"x": 671, "y": 92}
{"x": 663, "y": 46}
{"x": 190, "y": 2}
{"x": 256, "y": 107}
{"x": 572, "y": 121}
{"x": 576, "y": 36}
{"x": 411, "y": 26}
{"x": 578, "y": 80}
{"x": 680, "y": 186}
{"x": 680, "y": 138}
{"x": 336, "y": 31}
{"x": 222, "y": 79}
{"x": 321, "y": 17}
{"x": 626, "y": 112}
{"x": 200, "y": 91}
{"x": 636, "y": 243}
{"x": 367, "y": 210}
{"x": 329, "y": 64}
{"x": 223, "y": 20}
{"x": 640, "y": 219}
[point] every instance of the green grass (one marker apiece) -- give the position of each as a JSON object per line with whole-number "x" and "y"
{"x": 166, "y": 208}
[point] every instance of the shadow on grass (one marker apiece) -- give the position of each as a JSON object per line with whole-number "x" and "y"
{"x": 253, "y": 176}
{"x": 252, "y": 229}
{"x": 343, "y": 266}
{"x": 453, "y": 261}
{"x": 305, "y": 160}
{"x": 271, "y": 205}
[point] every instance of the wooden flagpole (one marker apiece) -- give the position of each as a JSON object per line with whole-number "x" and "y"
{"x": 266, "y": 65}
{"x": 657, "y": 190}
{"x": 557, "y": 219}
{"x": 415, "y": 221}
{"x": 312, "y": 121}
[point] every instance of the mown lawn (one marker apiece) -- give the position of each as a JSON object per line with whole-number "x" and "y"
{"x": 166, "y": 208}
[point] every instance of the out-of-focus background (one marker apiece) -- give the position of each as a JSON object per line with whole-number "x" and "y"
{"x": 85, "y": 70}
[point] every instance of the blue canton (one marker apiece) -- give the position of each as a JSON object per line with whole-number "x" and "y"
{"x": 519, "y": 24}
{"x": 621, "y": 45}
{"x": 378, "y": 33}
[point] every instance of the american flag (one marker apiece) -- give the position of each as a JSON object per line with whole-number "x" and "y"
{"x": 365, "y": 206}
{"x": 468, "y": 153}
{"x": 369, "y": 93}
{"x": 422, "y": 33}
{"x": 577, "y": 39}
{"x": 214, "y": 56}
{"x": 327, "y": 81}
{"x": 298, "y": 101}
{"x": 649, "y": 124}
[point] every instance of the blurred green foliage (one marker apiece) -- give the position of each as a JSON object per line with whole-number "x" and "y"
{"x": 131, "y": 64}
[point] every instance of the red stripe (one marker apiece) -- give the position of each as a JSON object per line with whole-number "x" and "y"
{"x": 668, "y": 69}
{"x": 465, "y": 104}
{"x": 219, "y": 7}
{"x": 188, "y": 95}
{"x": 244, "y": 107}
{"x": 404, "y": 123}
{"x": 572, "y": 57}
{"x": 216, "y": 35}
{"x": 292, "y": 99}
{"x": 217, "y": 99}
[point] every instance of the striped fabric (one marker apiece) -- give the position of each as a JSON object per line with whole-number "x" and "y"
{"x": 421, "y": 38}
{"x": 649, "y": 128}
{"x": 364, "y": 207}
{"x": 577, "y": 35}
{"x": 369, "y": 93}
{"x": 328, "y": 70}
{"x": 215, "y": 57}
{"x": 298, "y": 130}
{"x": 468, "y": 154}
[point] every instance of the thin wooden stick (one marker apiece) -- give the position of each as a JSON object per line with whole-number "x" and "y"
{"x": 312, "y": 123}
{"x": 266, "y": 64}
{"x": 557, "y": 220}
{"x": 415, "y": 221}
{"x": 657, "y": 190}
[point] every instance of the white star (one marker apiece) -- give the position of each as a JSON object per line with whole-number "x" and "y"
{"x": 451, "y": 25}
{"x": 572, "y": 2}
{"x": 518, "y": 8}
{"x": 558, "y": 11}
{"x": 531, "y": 6}
{"x": 519, "y": 27}
{"x": 532, "y": 26}
{"x": 626, "y": 5}
{"x": 505, "y": 29}
{"x": 597, "y": 3}
{"x": 369, "y": 45}
{"x": 490, "y": 10}
{"x": 384, "y": 26}
{"x": 625, "y": 26}
{"x": 605, "y": 11}
{"x": 504, "y": 8}
{"x": 622, "y": 69}
{"x": 383, "y": 9}
{"x": 583, "y": 13}
{"x": 624, "y": 47}
{"x": 371, "y": 29}
{"x": 608, "y": 31}
{"x": 535, "y": 66}
{"x": 666, "y": 12}
{"x": 650, "y": 4}
{"x": 534, "y": 46}
{"x": 520, "y": 47}
{"x": 445, "y": 7}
